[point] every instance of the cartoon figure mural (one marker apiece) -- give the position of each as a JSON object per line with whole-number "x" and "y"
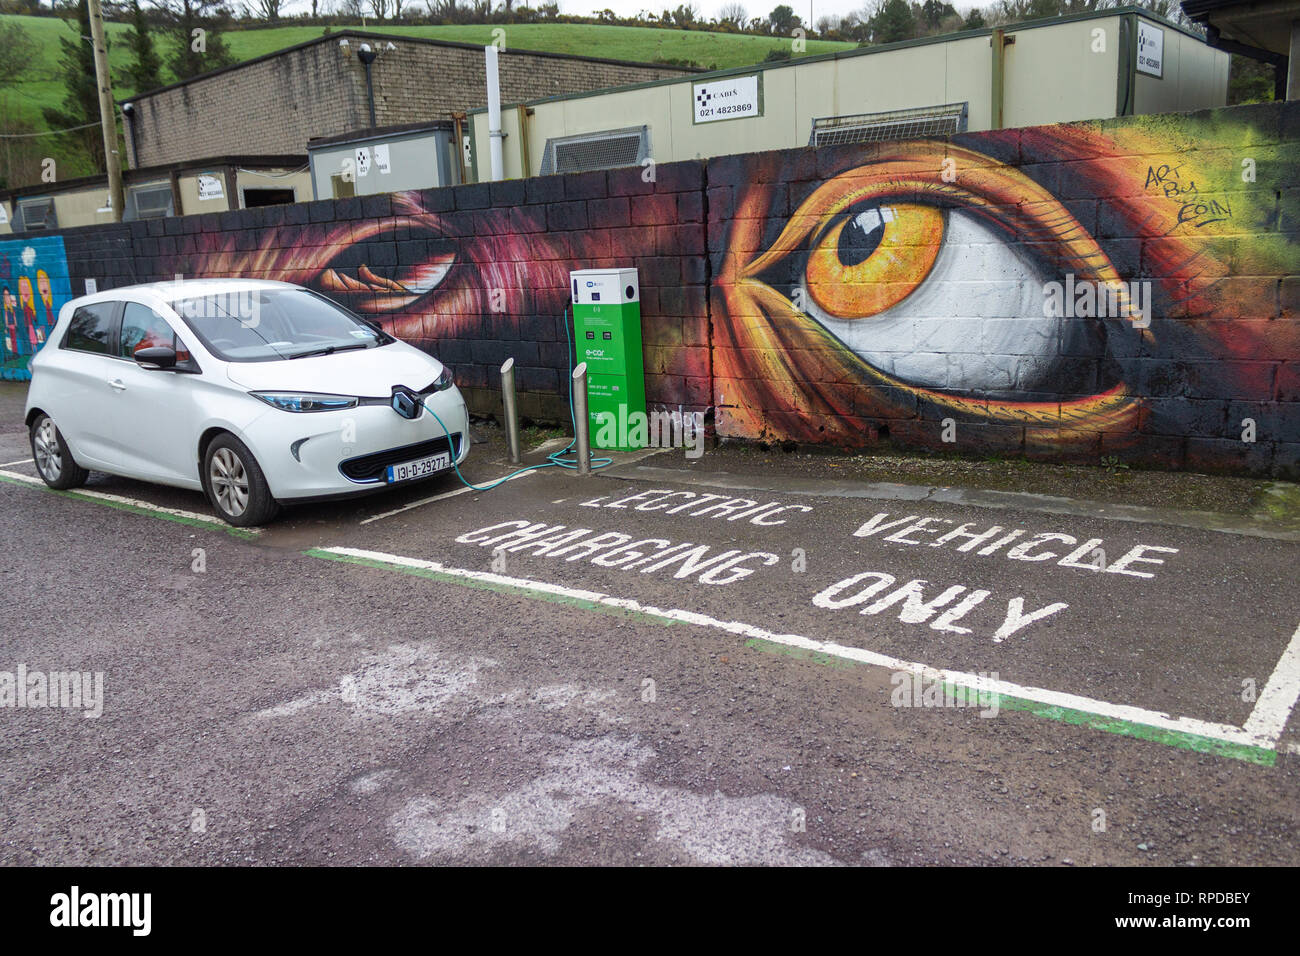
{"x": 34, "y": 285}
{"x": 46, "y": 292}
{"x": 10, "y": 324}
{"x": 32, "y": 336}
{"x": 1067, "y": 291}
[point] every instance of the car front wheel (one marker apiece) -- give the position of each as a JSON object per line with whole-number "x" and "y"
{"x": 54, "y": 461}
{"x": 235, "y": 485}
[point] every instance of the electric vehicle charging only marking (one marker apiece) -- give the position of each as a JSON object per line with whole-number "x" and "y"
{"x": 698, "y": 505}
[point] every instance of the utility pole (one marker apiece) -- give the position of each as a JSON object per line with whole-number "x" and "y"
{"x": 107, "y": 118}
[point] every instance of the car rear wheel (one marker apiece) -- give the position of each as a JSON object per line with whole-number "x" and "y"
{"x": 54, "y": 461}
{"x": 235, "y": 485}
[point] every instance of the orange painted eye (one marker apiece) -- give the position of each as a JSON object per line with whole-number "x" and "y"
{"x": 866, "y": 262}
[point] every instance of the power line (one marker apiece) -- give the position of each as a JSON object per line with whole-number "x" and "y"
{"x": 49, "y": 132}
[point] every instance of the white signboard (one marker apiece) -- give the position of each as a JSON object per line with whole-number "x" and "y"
{"x": 91, "y": 287}
{"x": 210, "y": 187}
{"x": 363, "y": 160}
{"x": 735, "y": 97}
{"x": 1151, "y": 49}
{"x": 4, "y": 214}
{"x": 381, "y": 159}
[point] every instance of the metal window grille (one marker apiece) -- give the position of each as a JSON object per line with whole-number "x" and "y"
{"x": 891, "y": 125}
{"x": 35, "y": 215}
{"x": 152, "y": 201}
{"x": 605, "y": 150}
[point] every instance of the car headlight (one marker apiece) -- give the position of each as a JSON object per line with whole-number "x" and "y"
{"x": 443, "y": 381}
{"x": 306, "y": 401}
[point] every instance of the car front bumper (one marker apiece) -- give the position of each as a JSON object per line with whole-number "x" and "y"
{"x": 316, "y": 455}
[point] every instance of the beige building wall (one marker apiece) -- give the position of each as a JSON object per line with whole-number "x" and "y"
{"x": 81, "y": 206}
{"x": 187, "y": 184}
{"x": 1056, "y": 73}
{"x": 299, "y": 180}
{"x": 1195, "y": 77}
{"x": 77, "y": 207}
{"x": 1060, "y": 74}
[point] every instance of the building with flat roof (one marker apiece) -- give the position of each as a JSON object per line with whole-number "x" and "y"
{"x": 1098, "y": 65}
{"x": 214, "y": 184}
{"x": 325, "y": 87}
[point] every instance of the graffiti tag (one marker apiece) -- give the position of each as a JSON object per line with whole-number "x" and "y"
{"x": 1195, "y": 209}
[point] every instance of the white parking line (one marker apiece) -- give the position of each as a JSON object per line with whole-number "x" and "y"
{"x": 20, "y": 461}
{"x": 1278, "y": 698}
{"x": 1263, "y": 735}
{"x": 133, "y": 503}
{"x": 445, "y": 494}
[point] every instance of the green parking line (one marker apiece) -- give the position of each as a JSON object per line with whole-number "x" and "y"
{"x": 498, "y": 587}
{"x": 1173, "y": 738}
{"x": 1080, "y": 718}
{"x": 214, "y": 525}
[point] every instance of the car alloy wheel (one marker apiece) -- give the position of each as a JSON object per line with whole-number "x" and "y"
{"x": 49, "y": 459}
{"x": 229, "y": 482}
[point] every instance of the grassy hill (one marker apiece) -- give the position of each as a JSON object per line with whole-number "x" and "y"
{"x": 720, "y": 50}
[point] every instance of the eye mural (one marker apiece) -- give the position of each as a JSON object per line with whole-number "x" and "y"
{"x": 919, "y": 281}
{"x": 1066, "y": 290}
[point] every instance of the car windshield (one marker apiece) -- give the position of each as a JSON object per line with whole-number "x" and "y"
{"x": 264, "y": 325}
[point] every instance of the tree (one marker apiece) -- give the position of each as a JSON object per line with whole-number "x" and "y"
{"x": 891, "y": 22}
{"x": 144, "y": 72}
{"x": 686, "y": 15}
{"x": 197, "y": 44}
{"x": 18, "y": 51}
{"x": 1017, "y": 11}
{"x": 733, "y": 14}
{"x": 934, "y": 12}
{"x": 380, "y": 8}
{"x": 80, "y": 105}
{"x": 974, "y": 20}
{"x": 1249, "y": 81}
{"x": 782, "y": 21}
{"x": 269, "y": 10}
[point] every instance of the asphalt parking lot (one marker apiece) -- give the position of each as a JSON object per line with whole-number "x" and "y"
{"x": 664, "y": 662}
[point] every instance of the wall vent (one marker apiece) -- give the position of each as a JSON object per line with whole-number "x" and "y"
{"x": 610, "y": 149}
{"x": 892, "y": 125}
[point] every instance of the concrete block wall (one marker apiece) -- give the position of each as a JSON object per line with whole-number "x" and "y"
{"x": 854, "y": 295}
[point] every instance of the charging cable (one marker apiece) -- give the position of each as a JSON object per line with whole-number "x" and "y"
{"x": 559, "y": 459}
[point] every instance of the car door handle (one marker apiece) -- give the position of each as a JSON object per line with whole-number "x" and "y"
{"x": 117, "y": 383}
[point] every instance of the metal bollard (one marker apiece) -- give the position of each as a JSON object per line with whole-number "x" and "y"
{"x": 511, "y": 409}
{"x": 581, "y": 421}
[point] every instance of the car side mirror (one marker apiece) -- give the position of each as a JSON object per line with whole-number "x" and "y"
{"x": 158, "y": 357}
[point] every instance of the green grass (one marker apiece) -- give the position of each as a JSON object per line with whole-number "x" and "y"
{"x": 644, "y": 44}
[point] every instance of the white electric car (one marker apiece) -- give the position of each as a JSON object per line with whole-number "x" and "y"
{"x": 255, "y": 392}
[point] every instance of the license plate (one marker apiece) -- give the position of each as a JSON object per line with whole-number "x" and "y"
{"x": 419, "y": 468}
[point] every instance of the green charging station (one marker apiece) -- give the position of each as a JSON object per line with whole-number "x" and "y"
{"x": 607, "y": 333}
